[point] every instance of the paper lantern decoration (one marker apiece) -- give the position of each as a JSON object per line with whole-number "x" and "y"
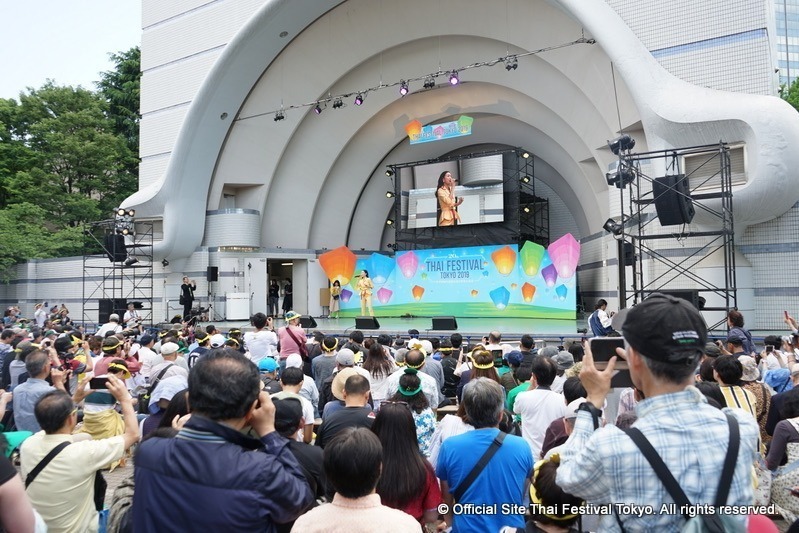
{"x": 424, "y": 275}
{"x": 561, "y": 291}
{"x": 417, "y": 292}
{"x": 382, "y": 267}
{"x": 413, "y": 128}
{"x": 528, "y": 291}
{"x": 550, "y": 275}
{"x": 338, "y": 264}
{"x": 500, "y": 296}
{"x": 346, "y": 295}
{"x": 565, "y": 253}
{"x": 513, "y": 286}
{"x": 384, "y": 295}
{"x": 485, "y": 273}
{"x": 465, "y": 124}
{"x": 504, "y": 259}
{"x": 408, "y": 263}
{"x": 531, "y": 255}
{"x": 474, "y": 293}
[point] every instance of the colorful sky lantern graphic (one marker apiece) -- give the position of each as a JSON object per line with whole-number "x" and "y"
{"x": 561, "y": 292}
{"x": 500, "y": 296}
{"x": 384, "y": 295}
{"x": 408, "y": 263}
{"x": 565, "y": 253}
{"x": 338, "y": 264}
{"x": 382, "y": 267}
{"x": 550, "y": 275}
{"x": 346, "y": 295}
{"x": 413, "y": 128}
{"x": 531, "y": 255}
{"x": 504, "y": 259}
{"x": 474, "y": 293}
{"x": 417, "y": 292}
{"x": 528, "y": 292}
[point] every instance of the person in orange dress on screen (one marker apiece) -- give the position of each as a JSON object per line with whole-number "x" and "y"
{"x": 447, "y": 201}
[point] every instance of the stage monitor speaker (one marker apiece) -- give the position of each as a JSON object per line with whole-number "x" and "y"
{"x": 212, "y": 274}
{"x": 445, "y": 323}
{"x": 673, "y": 200}
{"x": 366, "y": 322}
{"x": 115, "y": 248}
{"x": 690, "y": 295}
{"x": 307, "y": 321}
{"x": 108, "y": 306}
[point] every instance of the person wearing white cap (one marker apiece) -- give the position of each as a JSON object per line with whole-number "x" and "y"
{"x": 217, "y": 341}
{"x": 172, "y": 365}
{"x": 112, "y": 325}
{"x": 308, "y": 390}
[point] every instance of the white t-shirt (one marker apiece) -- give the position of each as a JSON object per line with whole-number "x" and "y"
{"x": 148, "y": 359}
{"x": 260, "y": 344}
{"x": 109, "y": 326}
{"x": 538, "y": 408}
{"x": 40, "y": 316}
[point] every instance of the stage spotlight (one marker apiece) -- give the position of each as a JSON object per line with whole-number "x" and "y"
{"x": 453, "y": 78}
{"x": 611, "y": 226}
{"x": 526, "y": 209}
{"x": 359, "y": 98}
{"x": 131, "y": 212}
{"x": 131, "y": 261}
{"x": 120, "y": 212}
{"x": 337, "y": 103}
{"x": 403, "y": 90}
{"x": 389, "y": 172}
{"x": 625, "y": 143}
{"x": 526, "y": 155}
{"x": 389, "y": 222}
{"x": 621, "y": 177}
{"x": 164, "y": 263}
{"x": 279, "y": 115}
{"x": 125, "y": 231}
{"x": 429, "y": 82}
{"x": 525, "y": 179}
{"x": 389, "y": 194}
{"x": 511, "y": 63}
{"x": 317, "y": 109}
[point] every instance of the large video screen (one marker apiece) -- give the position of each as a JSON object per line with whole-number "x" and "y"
{"x": 452, "y": 193}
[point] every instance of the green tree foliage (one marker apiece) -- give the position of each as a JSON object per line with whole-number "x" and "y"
{"x": 67, "y": 156}
{"x": 791, "y": 93}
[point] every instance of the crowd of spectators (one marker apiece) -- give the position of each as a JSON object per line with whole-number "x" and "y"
{"x": 265, "y": 431}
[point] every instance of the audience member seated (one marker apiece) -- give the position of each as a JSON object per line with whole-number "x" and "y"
{"x": 410, "y": 392}
{"x": 356, "y": 413}
{"x": 416, "y": 360}
{"x": 539, "y": 406}
{"x": 291, "y": 381}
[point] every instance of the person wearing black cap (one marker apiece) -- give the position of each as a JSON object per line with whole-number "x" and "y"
{"x": 664, "y": 338}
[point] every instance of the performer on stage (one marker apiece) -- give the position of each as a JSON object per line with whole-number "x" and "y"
{"x": 365, "y": 287}
{"x": 335, "y": 296}
{"x": 447, "y": 201}
{"x": 187, "y": 296}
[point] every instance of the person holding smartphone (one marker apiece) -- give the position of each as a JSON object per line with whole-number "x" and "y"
{"x": 187, "y": 296}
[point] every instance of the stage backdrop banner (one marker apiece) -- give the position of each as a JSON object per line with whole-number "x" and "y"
{"x": 479, "y": 281}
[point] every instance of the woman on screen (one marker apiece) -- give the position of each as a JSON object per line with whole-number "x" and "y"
{"x": 447, "y": 201}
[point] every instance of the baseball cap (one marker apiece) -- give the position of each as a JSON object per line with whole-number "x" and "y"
{"x": 26, "y": 347}
{"x": 146, "y": 339}
{"x": 565, "y": 360}
{"x": 514, "y": 358}
{"x": 735, "y": 340}
{"x": 218, "y": 340}
{"x": 666, "y": 329}
{"x": 267, "y": 364}
{"x": 288, "y": 413}
{"x": 711, "y": 350}
{"x": 345, "y": 357}
{"x": 169, "y": 348}
{"x": 113, "y": 317}
{"x": 294, "y": 361}
{"x": 337, "y": 387}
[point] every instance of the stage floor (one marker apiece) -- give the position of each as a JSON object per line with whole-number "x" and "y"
{"x": 511, "y": 328}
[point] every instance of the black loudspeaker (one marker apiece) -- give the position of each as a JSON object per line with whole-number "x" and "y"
{"x": 366, "y": 322}
{"x": 445, "y": 323}
{"x": 629, "y": 254}
{"x": 212, "y": 274}
{"x": 115, "y": 248}
{"x": 673, "y": 200}
{"x": 108, "y": 306}
{"x": 307, "y": 321}
{"x": 690, "y": 295}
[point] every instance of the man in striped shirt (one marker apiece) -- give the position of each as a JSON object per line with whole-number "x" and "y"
{"x": 728, "y": 371}
{"x": 664, "y": 337}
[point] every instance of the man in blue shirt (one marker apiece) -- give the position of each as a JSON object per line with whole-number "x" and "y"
{"x": 27, "y": 394}
{"x": 496, "y": 498}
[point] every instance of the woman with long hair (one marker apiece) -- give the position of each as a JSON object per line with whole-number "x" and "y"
{"x": 335, "y": 298}
{"x": 482, "y": 367}
{"x": 380, "y": 366}
{"x": 410, "y": 392}
{"x": 408, "y": 482}
{"x": 447, "y": 202}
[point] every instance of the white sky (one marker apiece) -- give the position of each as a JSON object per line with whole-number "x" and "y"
{"x": 67, "y": 41}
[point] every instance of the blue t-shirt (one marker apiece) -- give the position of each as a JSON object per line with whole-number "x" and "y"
{"x": 498, "y": 487}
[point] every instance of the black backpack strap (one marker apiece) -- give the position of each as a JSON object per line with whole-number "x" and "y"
{"x": 481, "y": 464}
{"x": 44, "y": 462}
{"x": 671, "y": 484}
{"x": 158, "y": 378}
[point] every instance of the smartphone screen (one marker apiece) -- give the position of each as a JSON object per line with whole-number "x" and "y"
{"x": 98, "y": 383}
{"x": 603, "y": 348}
{"x": 769, "y": 348}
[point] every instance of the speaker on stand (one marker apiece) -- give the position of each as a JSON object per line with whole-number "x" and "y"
{"x": 211, "y": 276}
{"x": 673, "y": 200}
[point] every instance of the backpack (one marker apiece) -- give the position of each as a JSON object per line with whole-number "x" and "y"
{"x": 700, "y": 523}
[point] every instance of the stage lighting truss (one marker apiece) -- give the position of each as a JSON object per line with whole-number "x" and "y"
{"x": 338, "y": 103}
{"x": 280, "y": 115}
{"x": 123, "y": 221}
{"x": 511, "y": 63}
{"x": 429, "y": 82}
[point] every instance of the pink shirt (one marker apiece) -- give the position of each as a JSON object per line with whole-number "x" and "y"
{"x": 361, "y": 515}
{"x": 287, "y": 344}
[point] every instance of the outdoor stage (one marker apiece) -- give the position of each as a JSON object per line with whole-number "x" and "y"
{"x": 472, "y": 329}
